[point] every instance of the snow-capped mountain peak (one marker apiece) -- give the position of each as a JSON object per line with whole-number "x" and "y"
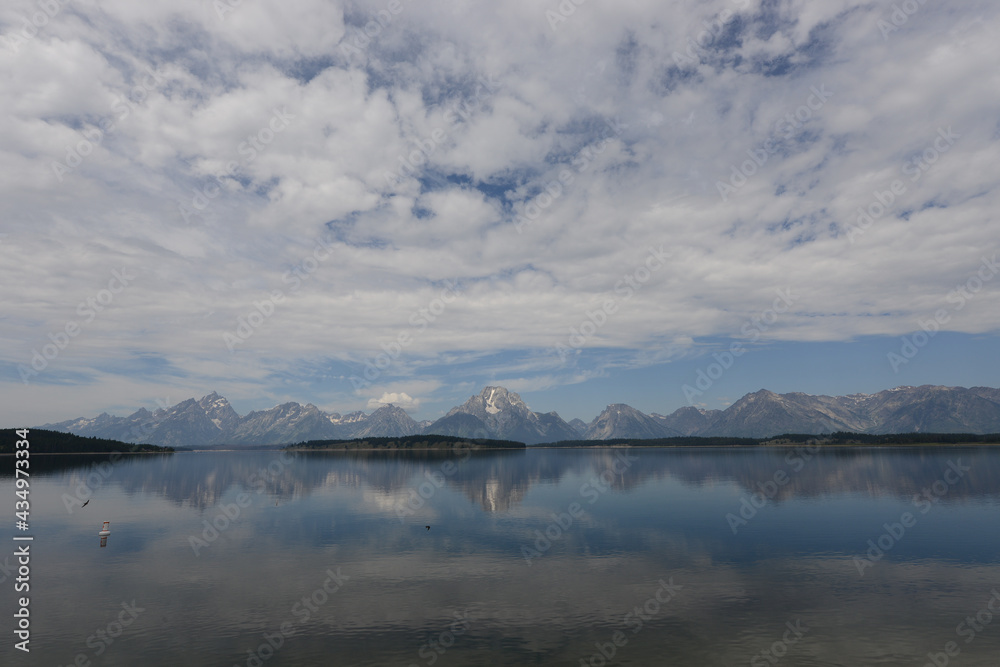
{"x": 498, "y": 413}
{"x": 491, "y": 406}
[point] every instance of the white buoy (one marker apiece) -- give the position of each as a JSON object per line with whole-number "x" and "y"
{"x": 105, "y": 531}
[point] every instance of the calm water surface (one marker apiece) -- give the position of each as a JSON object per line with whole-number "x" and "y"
{"x": 543, "y": 557}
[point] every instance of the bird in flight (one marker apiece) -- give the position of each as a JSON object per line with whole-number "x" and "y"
{"x": 85, "y": 504}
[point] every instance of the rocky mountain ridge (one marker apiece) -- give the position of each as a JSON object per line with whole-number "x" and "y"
{"x": 498, "y": 413}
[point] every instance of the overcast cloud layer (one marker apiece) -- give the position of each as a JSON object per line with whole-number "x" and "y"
{"x": 274, "y": 194}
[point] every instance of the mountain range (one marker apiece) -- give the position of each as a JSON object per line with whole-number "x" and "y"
{"x": 498, "y": 413}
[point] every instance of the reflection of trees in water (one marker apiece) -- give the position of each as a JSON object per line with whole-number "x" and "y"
{"x": 194, "y": 480}
{"x": 496, "y": 481}
{"x": 48, "y": 464}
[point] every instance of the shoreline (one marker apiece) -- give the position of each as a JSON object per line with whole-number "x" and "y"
{"x": 85, "y": 453}
{"x": 531, "y": 447}
{"x": 407, "y": 449}
{"x": 782, "y": 446}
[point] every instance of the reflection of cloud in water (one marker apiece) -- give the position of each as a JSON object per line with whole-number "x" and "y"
{"x": 498, "y": 481}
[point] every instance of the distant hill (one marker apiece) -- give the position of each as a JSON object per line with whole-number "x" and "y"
{"x": 829, "y": 439}
{"x": 677, "y": 441}
{"x": 54, "y": 442}
{"x": 496, "y": 413}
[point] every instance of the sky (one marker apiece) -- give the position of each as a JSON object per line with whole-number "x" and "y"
{"x": 352, "y": 204}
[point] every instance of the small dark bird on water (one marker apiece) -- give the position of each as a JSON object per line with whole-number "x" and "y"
{"x": 85, "y": 504}
{"x": 427, "y": 527}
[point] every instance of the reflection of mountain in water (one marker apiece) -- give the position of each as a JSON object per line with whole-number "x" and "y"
{"x": 497, "y": 481}
{"x": 899, "y": 473}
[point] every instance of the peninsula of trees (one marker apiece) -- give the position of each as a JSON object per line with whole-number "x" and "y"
{"x": 410, "y": 442}
{"x": 56, "y": 442}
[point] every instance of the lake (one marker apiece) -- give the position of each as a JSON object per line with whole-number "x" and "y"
{"x": 727, "y": 556}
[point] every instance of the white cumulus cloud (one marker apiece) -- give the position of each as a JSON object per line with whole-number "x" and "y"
{"x": 400, "y": 400}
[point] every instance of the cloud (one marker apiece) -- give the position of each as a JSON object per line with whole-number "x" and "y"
{"x": 400, "y": 400}
{"x": 404, "y": 164}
